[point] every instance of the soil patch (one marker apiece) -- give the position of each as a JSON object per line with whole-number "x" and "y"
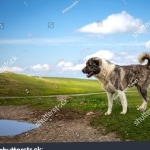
{"x": 64, "y": 126}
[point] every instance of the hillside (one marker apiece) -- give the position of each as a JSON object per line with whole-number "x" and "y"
{"x": 22, "y": 85}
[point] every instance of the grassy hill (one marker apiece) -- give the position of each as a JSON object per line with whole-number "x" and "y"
{"x": 22, "y": 85}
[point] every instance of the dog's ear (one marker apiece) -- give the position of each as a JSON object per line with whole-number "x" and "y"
{"x": 98, "y": 61}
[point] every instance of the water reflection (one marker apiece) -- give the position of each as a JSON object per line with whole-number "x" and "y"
{"x": 12, "y": 127}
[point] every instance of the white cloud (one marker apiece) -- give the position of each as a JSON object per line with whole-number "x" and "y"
{"x": 122, "y": 58}
{"x": 42, "y": 41}
{"x": 36, "y": 67}
{"x": 102, "y": 54}
{"x": 46, "y": 67}
{"x": 64, "y": 64}
{"x": 147, "y": 45}
{"x": 39, "y": 67}
{"x": 63, "y": 67}
{"x": 78, "y": 67}
{"x": 16, "y": 69}
{"x": 115, "y": 23}
{"x": 132, "y": 58}
{"x": 11, "y": 69}
{"x": 60, "y": 64}
{"x": 70, "y": 66}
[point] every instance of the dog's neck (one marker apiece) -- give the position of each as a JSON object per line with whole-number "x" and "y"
{"x": 106, "y": 69}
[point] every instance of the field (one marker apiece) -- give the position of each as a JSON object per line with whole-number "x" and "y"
{"x": 21, "y": 85}
{"x": 123, "y": 125}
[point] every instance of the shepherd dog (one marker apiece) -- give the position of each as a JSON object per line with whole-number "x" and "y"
{"x": 116, "y": 79}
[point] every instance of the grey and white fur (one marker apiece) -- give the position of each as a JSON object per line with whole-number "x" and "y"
{"x": 116, "y": 78}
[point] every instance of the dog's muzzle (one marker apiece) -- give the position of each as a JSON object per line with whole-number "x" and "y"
{"x": 83, "y": 70}
{"x": 89, "y": 74}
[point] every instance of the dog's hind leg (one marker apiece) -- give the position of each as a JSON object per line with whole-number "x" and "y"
{"x": 123, "y": 101}
{"x": 110, "y": 103}
{"x": 143, "y": 93}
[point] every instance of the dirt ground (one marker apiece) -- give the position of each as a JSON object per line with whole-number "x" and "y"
{"x": 64, "y": 126}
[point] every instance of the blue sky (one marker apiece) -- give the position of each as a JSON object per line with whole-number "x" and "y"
{"x": 80, "y": 29}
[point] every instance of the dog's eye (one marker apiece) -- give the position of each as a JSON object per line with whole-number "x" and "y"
{"x": 96, "y": 62}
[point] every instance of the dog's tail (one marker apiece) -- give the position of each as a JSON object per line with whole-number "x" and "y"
{"x": 144, "y": 56}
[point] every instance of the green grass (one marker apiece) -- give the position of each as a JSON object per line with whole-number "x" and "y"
{"x": 18, "y": 85}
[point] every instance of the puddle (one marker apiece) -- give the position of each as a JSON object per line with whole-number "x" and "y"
{"x": 12, "y": 127}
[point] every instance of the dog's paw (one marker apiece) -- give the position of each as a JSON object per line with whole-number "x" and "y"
{"x": 107, "y": 113}
{"x": 138, "y": 108}
{"x": 123, "y": 113}
{"x": 141, "y": 109}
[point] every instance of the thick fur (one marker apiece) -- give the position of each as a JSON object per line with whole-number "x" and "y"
{"x": 116, "y": 78}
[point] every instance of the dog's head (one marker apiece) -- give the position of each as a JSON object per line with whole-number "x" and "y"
{"x": 93, "y": 66}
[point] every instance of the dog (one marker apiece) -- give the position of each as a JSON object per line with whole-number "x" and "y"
{"x": 116, "y": 78}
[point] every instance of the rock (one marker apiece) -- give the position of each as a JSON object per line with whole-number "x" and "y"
{"x": 77, "y": 134}
{"x": 90, "y": 113}
{"x": 60, "y": 125}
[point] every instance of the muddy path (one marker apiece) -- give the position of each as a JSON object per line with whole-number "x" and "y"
{"x": 65, "y": 126}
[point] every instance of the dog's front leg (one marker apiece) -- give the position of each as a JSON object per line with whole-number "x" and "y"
{"x": 110, "y": 103}
{"x": 123, "y": 101}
